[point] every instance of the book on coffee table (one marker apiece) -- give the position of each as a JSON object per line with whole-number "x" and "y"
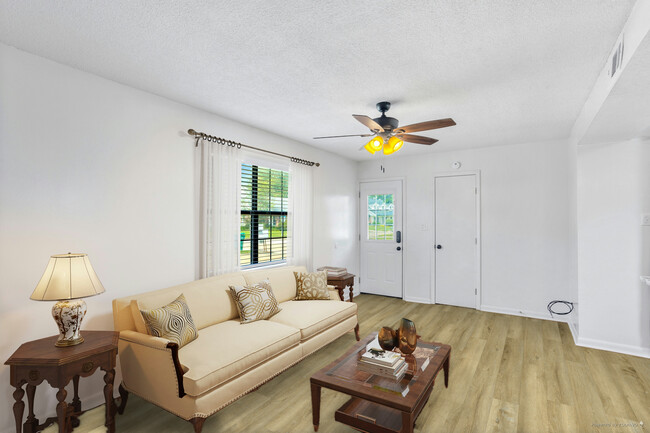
{"x": 384, "y": 358}
{"x": 397, "y": 372}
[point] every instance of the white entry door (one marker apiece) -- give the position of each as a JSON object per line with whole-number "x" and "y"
{"x": 456, "y": 240}
{"x": 381, "y": 237}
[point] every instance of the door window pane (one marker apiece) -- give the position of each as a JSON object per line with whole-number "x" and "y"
{"x": 380, "y": 217}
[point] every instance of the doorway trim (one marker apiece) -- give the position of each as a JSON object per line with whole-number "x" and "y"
{"x": 404, "y": 236}
{"x": 477, "y": 178}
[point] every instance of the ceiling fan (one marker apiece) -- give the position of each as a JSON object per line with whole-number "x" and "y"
{"x": 386, "y": 129}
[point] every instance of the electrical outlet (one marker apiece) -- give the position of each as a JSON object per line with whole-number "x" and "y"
{"x": 645, "y": 221}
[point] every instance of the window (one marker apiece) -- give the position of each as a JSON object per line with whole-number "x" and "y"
{"x": 380, "y": 217}
{"x": 264, "y": 204}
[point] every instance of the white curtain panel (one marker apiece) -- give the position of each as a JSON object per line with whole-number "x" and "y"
{"x": 219, "y": 209}
{"x": 300, "y": 218}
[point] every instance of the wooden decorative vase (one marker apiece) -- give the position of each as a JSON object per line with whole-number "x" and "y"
{"x": 407, "y": 337}
{"x": 387, "y": 338}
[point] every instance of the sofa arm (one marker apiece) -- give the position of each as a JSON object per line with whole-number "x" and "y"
{"x": 150, "y": 366}
{"x": 334, "y": 293}
{"x": 144, "y": 339}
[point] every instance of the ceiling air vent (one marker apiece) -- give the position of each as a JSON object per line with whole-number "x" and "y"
{"x": 616, "y": 60}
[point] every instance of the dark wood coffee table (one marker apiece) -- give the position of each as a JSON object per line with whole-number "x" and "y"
{"x": 378, "y": 404}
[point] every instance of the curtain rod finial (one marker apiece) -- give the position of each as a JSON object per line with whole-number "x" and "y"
{"x": 191, "y": 132}
{"x": 317, "y": 164}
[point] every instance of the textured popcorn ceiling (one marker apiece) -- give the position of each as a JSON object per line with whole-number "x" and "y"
{"x": 507, "y": 71}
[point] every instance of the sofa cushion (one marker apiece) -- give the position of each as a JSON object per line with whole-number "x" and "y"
{"x": 255, "y": 301}
{"x": 312, "y": 317}
{"x": 227, "y": 349}
{"x": 173, "y": 322}
{"x": 281, "y": 278}
{"x": 312, "y": 285}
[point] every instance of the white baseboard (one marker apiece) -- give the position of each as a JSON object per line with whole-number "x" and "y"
{"x": 626, "y": 349}
{"x": 416, "y": 299}
{"x": 574, "y": 331}
{"x": 523, "y": 313}
{"x": 583, "y": 342}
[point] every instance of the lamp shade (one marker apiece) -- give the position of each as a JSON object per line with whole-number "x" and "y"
{"x": 394, "y": 144}
{"x": 374, "y": 145}
{"x": 67, "y": 276}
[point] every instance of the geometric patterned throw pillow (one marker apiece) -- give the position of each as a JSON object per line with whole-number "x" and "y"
{"x": 311, "y": 285}
{"x": 255, "y": 302}
{"x": 173, "y": 322}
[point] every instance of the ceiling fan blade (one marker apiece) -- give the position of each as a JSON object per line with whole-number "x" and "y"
{"x": 425, "y": 126}
{"x": 341, "y": 136}
{"x": 416, "y": 139}
{"x": 370, "y": 124}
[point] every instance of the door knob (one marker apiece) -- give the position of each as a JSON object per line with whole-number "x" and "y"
{"x": 439, "y": 247}
{"x": 399, "y": 248}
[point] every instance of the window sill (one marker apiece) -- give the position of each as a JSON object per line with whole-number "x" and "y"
{"x": 266, "y": 265}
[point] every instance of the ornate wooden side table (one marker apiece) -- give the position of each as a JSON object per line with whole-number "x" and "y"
{"x": 341, "y": 283}
{"x": 40, "y": 360}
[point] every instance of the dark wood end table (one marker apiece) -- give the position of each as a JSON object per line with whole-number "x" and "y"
{"x": 341, "y": 282}
{"x": 41, "y": 360}
{"x": 378, "y": 404}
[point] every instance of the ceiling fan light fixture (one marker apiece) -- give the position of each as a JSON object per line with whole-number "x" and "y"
{"x": 394, "y": 144}
{"x": 374, "y": 145}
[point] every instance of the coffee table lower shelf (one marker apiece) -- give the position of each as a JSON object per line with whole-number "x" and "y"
{"x": 369, "y": 417}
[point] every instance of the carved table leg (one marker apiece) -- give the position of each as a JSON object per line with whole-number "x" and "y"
{"x": 31, "y": 425}
{"x": 351, "y": 288}
{"x": 62, "y": 410}
{"x": 76, "y": 403}
{"x": 340, "y": 290}
{"x": 110, "y": 404}
{"x": 124, "y": 396}
{"x": 356, "y": 332}
{"x": 19, "y": 407}
{"x": 315, "y": 405}
{"x": 445, "y": 368}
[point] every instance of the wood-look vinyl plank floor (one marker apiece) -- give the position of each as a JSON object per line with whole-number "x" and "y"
{"x": 508, "y": 374}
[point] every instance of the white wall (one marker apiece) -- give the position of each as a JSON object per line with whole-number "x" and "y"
{"x": 572, "y": 185}
{"x": 526, "y": 229}
{"x": 613, "y": 246}
{"x": 89, "y": 165}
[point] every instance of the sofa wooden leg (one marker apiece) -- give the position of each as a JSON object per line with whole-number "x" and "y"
{"x": 198, "y": 424}
{"x": 356, "y": 332}
{"x": 124, "y": 396}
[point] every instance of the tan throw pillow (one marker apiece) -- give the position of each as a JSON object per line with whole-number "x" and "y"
{"x": 173, "y": 322}
{"x": 255, "y": 301}
{"x": 311, "y": 285}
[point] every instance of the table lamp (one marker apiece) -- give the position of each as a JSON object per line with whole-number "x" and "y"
{"x": 67, "y": 279}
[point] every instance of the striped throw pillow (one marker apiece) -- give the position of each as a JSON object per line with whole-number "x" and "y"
{"x": 173, "y": 322}
{"x": 255, "y": 301}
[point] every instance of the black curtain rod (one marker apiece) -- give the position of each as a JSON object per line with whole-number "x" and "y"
{"x": 202, "y": 136}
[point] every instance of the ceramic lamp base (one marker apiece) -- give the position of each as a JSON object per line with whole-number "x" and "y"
{"x": 68, "y": 316}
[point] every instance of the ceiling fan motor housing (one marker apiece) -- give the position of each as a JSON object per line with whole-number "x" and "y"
{"x": 388, "y": 123}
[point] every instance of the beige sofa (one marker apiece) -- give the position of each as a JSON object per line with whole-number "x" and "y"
{"x": 228, "y": 359}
